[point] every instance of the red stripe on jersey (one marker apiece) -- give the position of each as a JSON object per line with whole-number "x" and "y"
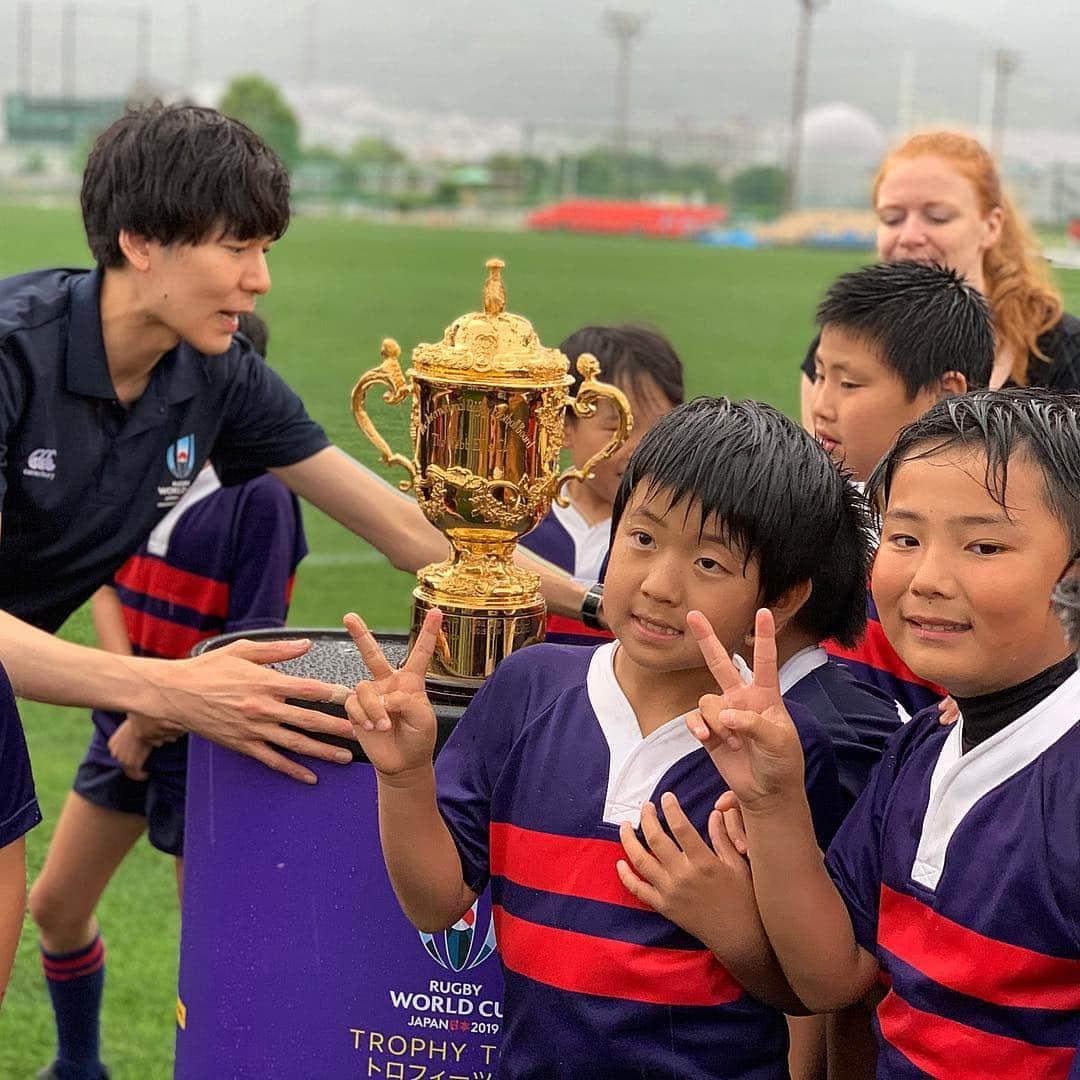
{"x": 568, "y": 865}
{"x": 585, "y": 964}
{"x": 157, "y": 579}
{"x": 875, "y": 651}
{"x": 947, "y": 1048}
{"x": 562, "y": 624}
{"x": 972, "y": 963}
{"x": 162, "y": 637}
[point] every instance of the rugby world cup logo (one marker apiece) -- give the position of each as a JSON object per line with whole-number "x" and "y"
{"x": 465, "y": 945}
{"x": 180, "y": 457}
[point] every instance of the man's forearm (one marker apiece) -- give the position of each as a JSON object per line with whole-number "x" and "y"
{"x": 804, "y": 915}
{"x": 355, "y": 497}
{"x": 46, "y": 668}
{"x": 420, "y": 854}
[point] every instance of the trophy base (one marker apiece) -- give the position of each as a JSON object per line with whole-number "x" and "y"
{"x": 473, "y": 641}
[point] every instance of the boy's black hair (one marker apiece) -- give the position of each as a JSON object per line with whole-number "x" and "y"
{"x": 177, "y": 174}
{"x": 1042, "y": 425}
{"x": 628, "y": 355}
{"x": 923, "y": 320}
{"x": 253, "y": 327}
{"x": 773, "y": 492}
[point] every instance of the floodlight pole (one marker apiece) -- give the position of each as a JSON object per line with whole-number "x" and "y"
{"x": 624, "y": 27}
{"x": 1006, "y": 62}
{"x": 798, "y": 96}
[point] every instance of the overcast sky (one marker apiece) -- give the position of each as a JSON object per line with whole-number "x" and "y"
{"x": 704, "y": 61}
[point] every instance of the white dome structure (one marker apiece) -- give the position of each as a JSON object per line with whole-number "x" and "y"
{"x": 842, "y": 147}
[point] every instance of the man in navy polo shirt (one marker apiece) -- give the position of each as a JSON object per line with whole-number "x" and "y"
{"x": 118, "y": 384}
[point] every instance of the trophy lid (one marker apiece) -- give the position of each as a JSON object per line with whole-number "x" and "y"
{"x": 492, "y": 344}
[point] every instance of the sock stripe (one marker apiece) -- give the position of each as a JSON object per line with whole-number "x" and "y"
{"x": 64, "y": 966}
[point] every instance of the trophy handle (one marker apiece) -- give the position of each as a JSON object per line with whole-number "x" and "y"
{"x": 589, "y": 392}
{"x": 388, "y": 373}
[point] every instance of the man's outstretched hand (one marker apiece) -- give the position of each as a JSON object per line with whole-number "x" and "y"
{"x": 226, "y": 695}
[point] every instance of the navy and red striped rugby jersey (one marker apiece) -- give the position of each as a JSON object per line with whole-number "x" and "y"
{"x": 858, "y": 719}
{"x": 874, "y": 661}
{"x": 960, "y": 874}
{"x": 223, "y": 559}
{"x": 546, "y": 762}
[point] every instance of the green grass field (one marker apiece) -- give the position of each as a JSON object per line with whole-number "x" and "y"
{"x": 740, "y": 320}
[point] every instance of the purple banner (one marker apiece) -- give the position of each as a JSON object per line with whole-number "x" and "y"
{"x": 295, "y": 959}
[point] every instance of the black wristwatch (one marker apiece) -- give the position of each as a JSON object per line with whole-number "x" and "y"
{"x": 591, "y": 603}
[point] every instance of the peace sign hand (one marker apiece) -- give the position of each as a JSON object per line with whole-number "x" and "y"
{"x": 391, "y": 714}
{"x": 746, "y": 728}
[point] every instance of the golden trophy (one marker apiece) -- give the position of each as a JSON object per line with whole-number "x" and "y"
{"x": 488, "y": 407}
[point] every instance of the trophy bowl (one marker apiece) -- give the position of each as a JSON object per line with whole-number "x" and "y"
{"x": 488, "y": 408}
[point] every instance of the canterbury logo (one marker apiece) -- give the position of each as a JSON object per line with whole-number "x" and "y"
{"x": 41, "y": 461}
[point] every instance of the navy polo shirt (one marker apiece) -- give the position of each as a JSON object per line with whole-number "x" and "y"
{"x": 82, "y": 479}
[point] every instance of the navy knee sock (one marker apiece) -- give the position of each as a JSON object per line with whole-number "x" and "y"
{"x": 76, "y": 981}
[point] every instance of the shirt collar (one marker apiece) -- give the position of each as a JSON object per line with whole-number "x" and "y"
{"x": 797, "y": 667}
{"x": 177, "y": 376}
{"x": 86, "y": 368}
{"x": 792, "y": 671}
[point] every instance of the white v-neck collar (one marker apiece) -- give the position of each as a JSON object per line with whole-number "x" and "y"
{"x": 793, "y": 670}
{"x": 206, "y": 483}
{"x": 636, "y": 763}
{"x": 960, "y": 780}
{"x": 591, "y": 542}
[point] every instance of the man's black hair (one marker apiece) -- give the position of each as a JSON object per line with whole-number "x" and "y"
{"x": 253, "y": 327}
{"x": 628, "y": 355}
{"x": 1041, "y": 425}
{"x": 773, "y": 492}
{"x": 178, "y": 174}
{"x": 924, "y": 321}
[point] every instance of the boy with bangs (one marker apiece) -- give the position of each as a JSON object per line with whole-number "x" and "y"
{"x": 896, "y": 338}
{"x": 576, "y": 538}
{"x": 724, "y": 506}
{"x": 953, "y": 880}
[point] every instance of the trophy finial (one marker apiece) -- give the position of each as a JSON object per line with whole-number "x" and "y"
{"x": 494, "y": 291}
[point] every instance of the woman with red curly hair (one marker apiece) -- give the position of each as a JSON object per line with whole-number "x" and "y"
{"x": 938, "y": 198}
